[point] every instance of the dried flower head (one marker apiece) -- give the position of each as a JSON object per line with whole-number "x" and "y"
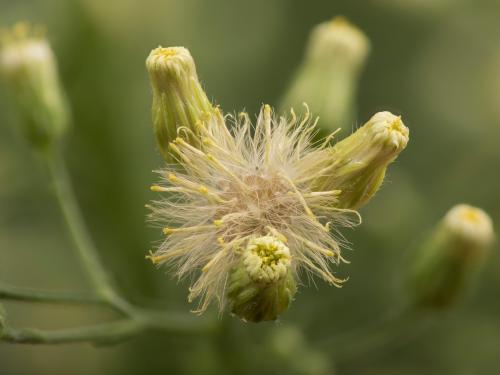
{"x": 246, "y": 183}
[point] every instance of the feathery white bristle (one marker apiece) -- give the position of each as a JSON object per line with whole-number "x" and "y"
{"x": 241, "y": 184}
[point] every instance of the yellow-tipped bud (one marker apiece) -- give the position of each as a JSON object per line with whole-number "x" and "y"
{"x": 29, "y": 67}
{"x": 262, "y": 286}
{"x": 178, "y": 98}
{"x": 448, "y": 258}
{"x": 328, "y": 77}
{"x": 359, "y": 162}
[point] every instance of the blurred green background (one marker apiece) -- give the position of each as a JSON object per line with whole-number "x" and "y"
{"x": 435, "y": 62}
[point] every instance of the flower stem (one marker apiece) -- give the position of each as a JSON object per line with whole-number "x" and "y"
{"x": 137, "y": 320}
{"x": 84, "y": 245}
{"x": 107, "y": 333}
{"x": 13, "y": 293}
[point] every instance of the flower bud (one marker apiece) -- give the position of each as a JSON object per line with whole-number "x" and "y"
{"x": 359, "y": 161}
{"x": 328, "y": 77}
{"x": 262, "y": 285}
{"x": 178, "y": 98}
{"x": 447, "y": 260}
{"x": 29, "y": 67}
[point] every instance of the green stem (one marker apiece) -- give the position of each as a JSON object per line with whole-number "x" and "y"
{"x": 83, "y": 243}
{"x": 13, "y": 293}
{"x": 138, "y": 320}
{"x": 107, "y": 333}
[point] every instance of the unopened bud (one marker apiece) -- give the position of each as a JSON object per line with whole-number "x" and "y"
{"x": 449, "y": 257}
{"x": 328, "y": 77}
{"x": 262, "y": 285}
{"x": 29, "y": 67}
{"x": 359, "y": 162}
{"x": 178, "y": 98}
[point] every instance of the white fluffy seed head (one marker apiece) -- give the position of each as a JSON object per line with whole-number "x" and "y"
{"x": 241, "y": 184}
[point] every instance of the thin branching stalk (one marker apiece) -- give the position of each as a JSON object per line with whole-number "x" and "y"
{"x": 13, "y": 293}
{"x": 84, "y": 245}
{"x": 108, "y": 333}
{"x": 136, "y": 320}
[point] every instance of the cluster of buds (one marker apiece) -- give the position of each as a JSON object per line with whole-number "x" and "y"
{"x": 29, "y": 67}
{"x": 448, "y": 258}
{"x": 246, "y": 208}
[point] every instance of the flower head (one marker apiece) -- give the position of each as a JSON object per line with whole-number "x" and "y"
{"x": 249, "y": 208}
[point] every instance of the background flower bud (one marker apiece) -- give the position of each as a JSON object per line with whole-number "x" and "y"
{"x": 328, "y": 77}
{"x": 178, "y": 98}
{"x": 445, "y": 262}
{"x": 29, "y": 67}
{"x": 262, "y": 286}
{"x": 359, "y": 162}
